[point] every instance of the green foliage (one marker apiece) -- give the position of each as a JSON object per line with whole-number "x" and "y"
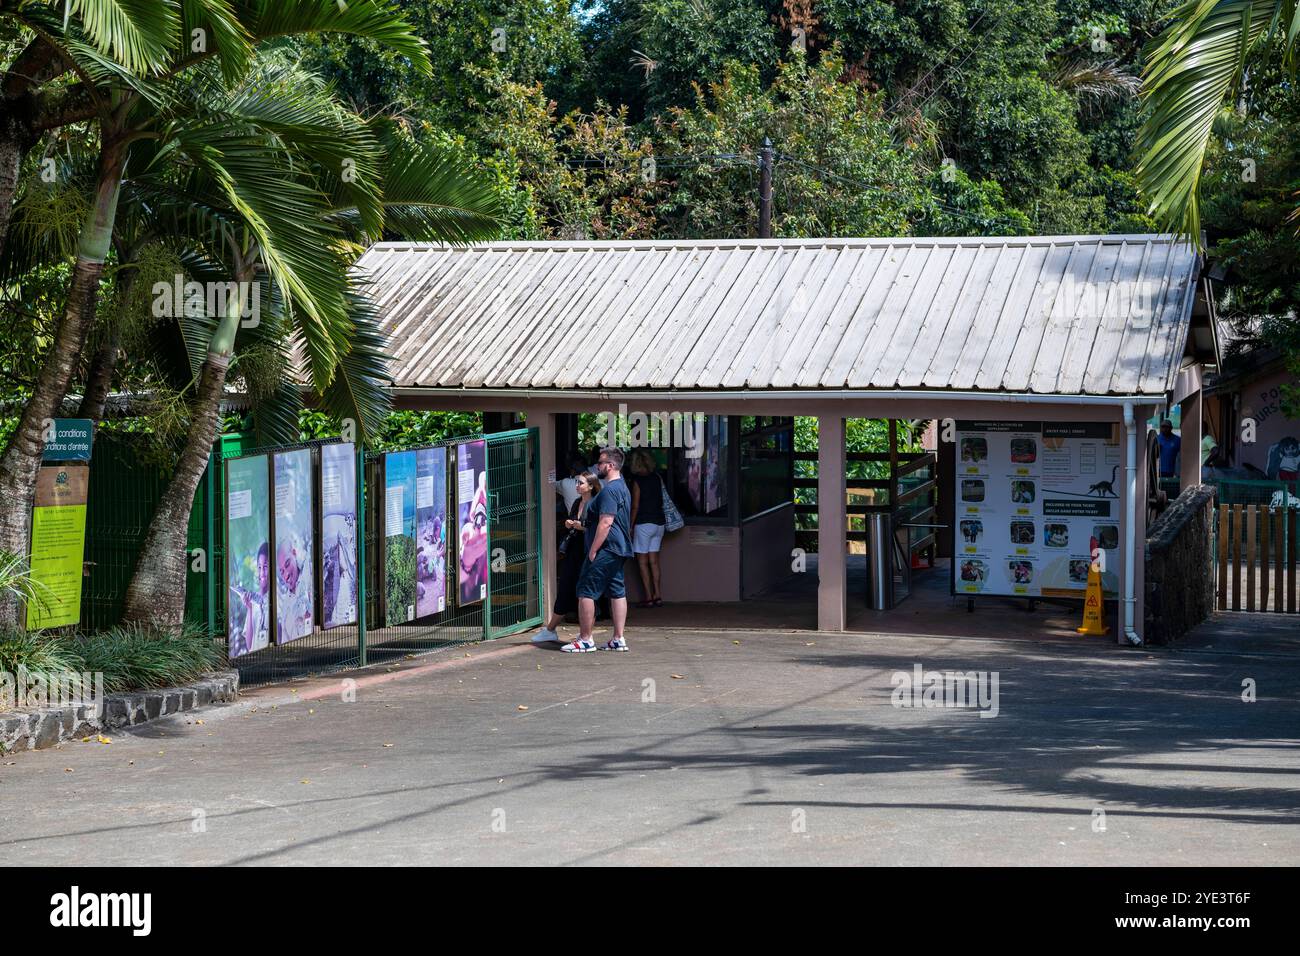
{"x": 399, "y": 574}
{"x": 1192, "y": 71}
{"x": 16, "y": 580}
{"x": 37, "y": 652}
{"x": 136, "y": 658}
{"x": 130, "y": 658}
{"x": 1251, "y": 190}
{"x": 399, "y": 429}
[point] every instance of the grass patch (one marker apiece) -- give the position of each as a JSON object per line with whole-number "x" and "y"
{"x": 135, "y": 658}
{"x": 130, "y": 657}
{"x": 37, "y": 652}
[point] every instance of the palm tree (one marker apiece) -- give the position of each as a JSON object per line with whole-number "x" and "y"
{"x": 178, "y": 66}
{"x": 269, "y": 211}
{"x": 1193, "y": 69}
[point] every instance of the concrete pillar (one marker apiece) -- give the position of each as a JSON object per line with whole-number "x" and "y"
{"x": 544, "y": 421}
{"x": 1190, "y": 452}
{"x": 1142, "y": 413}
{"x": 832, "y": 525}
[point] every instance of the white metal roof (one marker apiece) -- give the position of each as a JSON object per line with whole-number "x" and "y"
{"x": 1097, "y": 315}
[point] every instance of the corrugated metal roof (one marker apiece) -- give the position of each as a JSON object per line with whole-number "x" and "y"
{"x": 1102, "y": 315}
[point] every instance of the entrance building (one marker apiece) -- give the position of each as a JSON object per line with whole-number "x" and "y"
{"x": 1036, "y": 361}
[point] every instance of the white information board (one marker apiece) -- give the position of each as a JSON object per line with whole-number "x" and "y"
{"x": 1033, "y": 499}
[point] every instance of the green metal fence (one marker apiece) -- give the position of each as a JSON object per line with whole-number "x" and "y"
{"x": 125, "y": 487}
{"x": 513, "y": 598}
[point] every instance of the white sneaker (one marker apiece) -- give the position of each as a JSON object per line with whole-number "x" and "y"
{"x": 546, "y": 636}
{"x": 617, "y": 644}
{"x": 579, "y": 646}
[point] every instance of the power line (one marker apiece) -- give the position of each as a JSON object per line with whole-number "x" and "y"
{"x": 941, "y": 61}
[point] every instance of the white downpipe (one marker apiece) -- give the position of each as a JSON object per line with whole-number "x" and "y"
{"x": 1130, "y": 529}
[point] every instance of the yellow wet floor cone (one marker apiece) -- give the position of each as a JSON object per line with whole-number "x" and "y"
{"x": 1093, "y": 605}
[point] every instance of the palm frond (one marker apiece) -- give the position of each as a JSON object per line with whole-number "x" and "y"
{"x": 430, "y": 194}
{"x": 359, "y": 390}
{"x": 1106, "y": 80}
{"x": 377, "y": 20}
{"x": 221, "y": 32}
{"x": 1191, "y": 69}
{"x": 138, "y": 34}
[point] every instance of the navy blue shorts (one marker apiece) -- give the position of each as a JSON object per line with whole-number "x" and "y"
{"x": 604, "y": 576}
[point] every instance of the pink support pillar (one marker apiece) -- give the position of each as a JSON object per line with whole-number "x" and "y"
{"x": 832, "y": 525}
{"x": 545, "y": 423}
{"x": 1190, "y": 452}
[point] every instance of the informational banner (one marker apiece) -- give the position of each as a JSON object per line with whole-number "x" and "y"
{"x": 248, "y": 555}
{"x": 1034, "y": 499}
{"x": 58, "y": 545}
{"x": 399, "y": 537}
{"x": 70, "y": 440}
{"x": 430, "y": 531}
{"x": 338, "y": 534}
{"x": 472, "y": 515}
{"x": 295, "y": 546}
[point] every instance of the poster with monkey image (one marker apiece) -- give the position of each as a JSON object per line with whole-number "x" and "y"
{"x": 1033, "y": 501}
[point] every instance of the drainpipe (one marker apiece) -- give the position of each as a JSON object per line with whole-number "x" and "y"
{"x": 1130, "y": 530}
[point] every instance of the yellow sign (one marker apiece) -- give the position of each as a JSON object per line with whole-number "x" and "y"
{"x": 58, "y": 545}
{"x": 1094, "y": 605}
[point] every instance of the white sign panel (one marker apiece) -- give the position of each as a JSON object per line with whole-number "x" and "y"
{"x": 1033, "y": 501}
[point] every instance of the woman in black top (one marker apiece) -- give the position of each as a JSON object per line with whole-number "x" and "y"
{"x": 647, "y": 524}
{"x": 572, "y": 553}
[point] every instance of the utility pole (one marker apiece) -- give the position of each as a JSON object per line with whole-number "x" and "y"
{"x": 765, "y": 160}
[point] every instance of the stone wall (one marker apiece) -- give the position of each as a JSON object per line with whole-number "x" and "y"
{"x": 1180, "y": 566}
{"x": 38, "y": 729}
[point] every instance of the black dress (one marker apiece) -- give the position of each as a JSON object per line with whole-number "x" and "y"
{"x": 566, "y": 583}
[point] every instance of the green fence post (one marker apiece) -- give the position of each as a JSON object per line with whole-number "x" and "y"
{"x": 534, "y": 447}
{"x": 492, "y": 511}
{"x": 214, "y": 462}
{"x": 361, "y": 557}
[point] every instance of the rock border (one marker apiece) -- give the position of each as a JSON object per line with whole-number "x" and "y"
{"x": 40, "y": 729}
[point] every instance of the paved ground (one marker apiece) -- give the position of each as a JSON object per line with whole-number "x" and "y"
{"x": 778, "y": 749}
{"x": 931, "y": 609}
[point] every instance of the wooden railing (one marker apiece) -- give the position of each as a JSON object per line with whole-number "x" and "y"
{"x": 1257, "y": 558}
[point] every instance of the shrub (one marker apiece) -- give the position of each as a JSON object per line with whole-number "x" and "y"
{"x": 136, "y": 658}
{"x": 37, "y": 652}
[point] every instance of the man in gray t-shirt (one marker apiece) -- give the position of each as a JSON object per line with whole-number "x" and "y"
{"x": 609, "y": 544}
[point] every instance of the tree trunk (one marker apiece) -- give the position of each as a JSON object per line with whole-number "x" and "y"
{"x": 12, "y": 152}
{"x": 156, "y": 595}
{"x": 100, "y": 378}
{"x": 22, "y": 457}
